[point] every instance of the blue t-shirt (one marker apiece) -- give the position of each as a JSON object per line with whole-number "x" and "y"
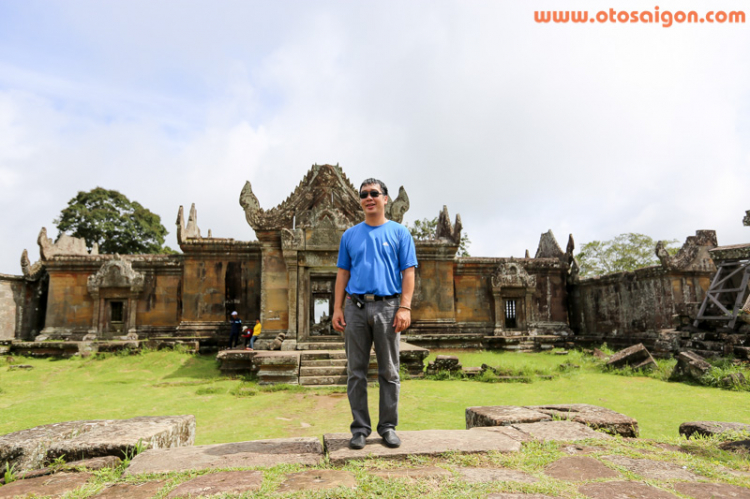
{"x": 376, "y": 256}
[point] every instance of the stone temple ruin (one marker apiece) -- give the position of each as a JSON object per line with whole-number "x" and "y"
{"x": 286, "y": 278}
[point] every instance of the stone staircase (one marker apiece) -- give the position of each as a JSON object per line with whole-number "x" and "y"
{"x": 328, "y": 368}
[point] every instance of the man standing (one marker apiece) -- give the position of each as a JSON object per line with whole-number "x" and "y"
{"x": 374, "y": 287}
{"x": 235, "y": 325}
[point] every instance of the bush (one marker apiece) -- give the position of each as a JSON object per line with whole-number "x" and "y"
{"x": 210, "y": 390}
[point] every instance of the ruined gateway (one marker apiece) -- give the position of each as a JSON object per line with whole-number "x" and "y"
{"x": 286, "y": 279}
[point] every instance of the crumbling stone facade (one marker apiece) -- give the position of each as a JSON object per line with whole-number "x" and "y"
{"x": 621, "y": 308}
{"x": 286, "y": 279}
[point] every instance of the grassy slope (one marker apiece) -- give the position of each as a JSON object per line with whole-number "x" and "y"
{"x": 162, "y": 383}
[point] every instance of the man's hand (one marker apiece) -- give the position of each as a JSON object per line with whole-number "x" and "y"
{"x": 402, "y": 320}
{"x": 338, "y": 320}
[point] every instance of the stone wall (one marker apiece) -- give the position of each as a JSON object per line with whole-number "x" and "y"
{"x": 456, "y": 296}
{"x": 22, "y": 303}
{"x": 629, "y": 302}
{"x": 648, "y": 299}
{"x": 10, "y": 288}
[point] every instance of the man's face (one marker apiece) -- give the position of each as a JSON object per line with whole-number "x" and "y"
{"x": 373, "y": 204}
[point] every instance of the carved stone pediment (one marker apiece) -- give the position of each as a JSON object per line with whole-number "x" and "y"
{"x": 292, "y": 239}
{"x": 549, "y": 248}
{"x": 325, "y": 187}
{"x": 445, "y": 230}
{"x": 694, "y": 254}
{"x": 325, "y": 198}
{"x": 65, "y": 245}
{"x": 116, "y": 273}
{"x": 512, "y": 275}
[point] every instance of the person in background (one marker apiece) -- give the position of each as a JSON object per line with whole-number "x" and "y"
{"x": 235, "y": 325}
{"x": 256, "y": 332}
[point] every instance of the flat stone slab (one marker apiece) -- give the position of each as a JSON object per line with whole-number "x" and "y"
{"x": 145, "y": 490}
{"x": 623, "y": 490}
{"x": 52, "y": 485}
{"x": 565, "y": 431}
{"x": 224, "y": 482}
{"x": 502, "y": 415}
{"x": 420, "y": 443}
{"x": 736, "y": 446}
{"x": 317, "y": 480}
{"x": 712, "y": 491}
{"x": 507, "y": 431}
{"x": 598, "y": 418}
{"x": 712, "y": 428}
{"x": 483, "y": 475}
{"x": 578, "y": 469}
{"x": 33, "y": 448}
{"x": 265, "y": 453}
{"x": 650, "y": 469}
{"x": 593, "y": 416}
{"x": 427, "y": 472}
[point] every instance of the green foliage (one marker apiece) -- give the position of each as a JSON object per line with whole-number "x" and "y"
{"x": 210, "y": 390}
{"x": 10, "y": 474}
{"x": 720, "y": 370}
{"x": 130, "y": 453}
{"x": 624, "y": 253}
{"x": 426, "y": 229}
{"x": 57, "y": 463}
{"x": 115, "y": 223}
{"x": 243, "y": 390}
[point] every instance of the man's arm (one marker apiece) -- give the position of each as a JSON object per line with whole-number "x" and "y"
{"x": 342, "y": 279}
{"x": 403, "y": 316}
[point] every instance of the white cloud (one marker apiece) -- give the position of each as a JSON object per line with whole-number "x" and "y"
{"x": 594, "y": 130}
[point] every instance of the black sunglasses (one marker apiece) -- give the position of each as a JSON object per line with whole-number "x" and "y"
{"x": 372, "y": 194}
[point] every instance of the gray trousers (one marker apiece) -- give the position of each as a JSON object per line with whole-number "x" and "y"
{"x": 365, "y": 326}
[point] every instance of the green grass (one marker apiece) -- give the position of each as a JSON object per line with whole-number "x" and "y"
{"x": 229, "y": 410}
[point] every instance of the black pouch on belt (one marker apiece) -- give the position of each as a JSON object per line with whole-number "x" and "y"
{"x": 357, "y": 301}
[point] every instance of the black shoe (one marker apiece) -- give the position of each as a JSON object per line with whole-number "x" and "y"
{"x": 391, "y": 439}
{"x": 357, "y": 442}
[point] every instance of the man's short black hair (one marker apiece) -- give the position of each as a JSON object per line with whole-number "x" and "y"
{"x": 374, "y": 181}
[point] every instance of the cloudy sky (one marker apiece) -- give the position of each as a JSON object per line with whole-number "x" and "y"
{"x": 520, "y": 127}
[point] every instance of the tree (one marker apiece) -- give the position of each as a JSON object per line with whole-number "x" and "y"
{"x": 624, "y": 253}
{"x": 115, "y": 223}
{"x": 426, "y": 229}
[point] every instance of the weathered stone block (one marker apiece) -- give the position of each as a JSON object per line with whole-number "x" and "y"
{"x": 598, "y": 418}
{"x": 712, "y": 428}
{"x": 636, "y": 356}
{"x": 33, "y": 448}
{"x": 448, "y": 363}
{"x": 690, "y": 364}
{"x": 502, "y": 415}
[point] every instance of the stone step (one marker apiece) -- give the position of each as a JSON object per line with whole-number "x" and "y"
{"x": 323, "y": 363}
{"x": 322, "y": 355}
{"x": 322, "y": 380}
{"x": 321, "y": 346}
{"x": 322, "y": 371}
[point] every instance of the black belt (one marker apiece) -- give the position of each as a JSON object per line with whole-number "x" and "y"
{"x": 368, "y": 297}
